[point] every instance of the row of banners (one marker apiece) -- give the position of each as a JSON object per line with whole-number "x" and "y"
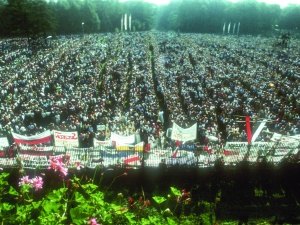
{"x": 106, "y": 154}
{"x": 129, "y": 150}
{"x": 60, "y": 138}
{"x": 71, "y": 139}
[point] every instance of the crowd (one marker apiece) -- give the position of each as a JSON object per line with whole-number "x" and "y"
{"x": 143, "y": 82}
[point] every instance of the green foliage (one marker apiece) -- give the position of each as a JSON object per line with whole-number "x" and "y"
{"x": 175, "y": 191}
{"x": 29, "y": 18}
{"x": 258, "y": 192}
{"x": 159, "y": 199}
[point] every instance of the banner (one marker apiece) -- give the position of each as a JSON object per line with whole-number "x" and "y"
{"x": 238, "y": 30}
{"x": 125, "y": 21}
{"x": 233, "y": 28}
{"x": 257, "y": 149}
{"x": 4, "y": 142}
{"x": 77, "y": 155}
{"x": 104, "y": 144}
{"x": 139, "y": 147}
{"x": 279, "y": 137}
{"x": 181, "y": 134}
{"x": 62, "y": 138}
{"x": 259, "y": 129}
{"x": 240, "y": 145}
{"x": 101, "y": 127}
{"x": 33, "y": 140}
{"x": 130, "y": 22}
{"x": 124, "y": 147}
{"x": 122, "y": 139}
{"x": 132, "y": 159}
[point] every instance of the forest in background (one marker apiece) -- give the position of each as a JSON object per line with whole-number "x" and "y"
{"x": 36, "y": 18}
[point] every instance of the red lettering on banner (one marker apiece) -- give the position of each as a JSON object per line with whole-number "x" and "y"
{"x": 66, "y": 137}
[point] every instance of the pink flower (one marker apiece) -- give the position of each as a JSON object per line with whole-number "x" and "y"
{"x": 93, "y": 221}
{"x": 60, "y": 167}
{"x": 57, "y": 165}
{"x": 25, "y": 180}
{"x": 37, "y": 183}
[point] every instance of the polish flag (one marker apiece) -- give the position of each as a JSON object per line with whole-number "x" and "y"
{"x": 32, "y": 140}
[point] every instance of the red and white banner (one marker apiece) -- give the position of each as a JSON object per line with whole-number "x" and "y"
{"x": 32, "y": 140}
{"x": 132, "y": 159}
{"x": 68, "y": 139}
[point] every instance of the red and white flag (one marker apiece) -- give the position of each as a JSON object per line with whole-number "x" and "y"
{"x": 132, "y": 159}
{"x": 32, "y": 140}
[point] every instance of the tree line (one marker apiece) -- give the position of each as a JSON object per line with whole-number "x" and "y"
{"x": 32, "y": 18}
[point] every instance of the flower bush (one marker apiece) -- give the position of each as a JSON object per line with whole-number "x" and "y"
{"x": 78, "y": 200}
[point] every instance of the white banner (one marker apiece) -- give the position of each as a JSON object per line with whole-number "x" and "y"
{"x": 259, "y": 129}
{"x": 181, "y": 134}
{"x": 3, "y": 142}
{"x": 98, "y": 143}
{"x": 241, "y": 145}
{"x": 62, "y": 138}
{"x": 279, "y": 137}
{"x": 101, "y": 127}
{"x": 122, "y": 139}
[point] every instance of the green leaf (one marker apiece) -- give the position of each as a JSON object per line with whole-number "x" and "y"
{"x": 171, "y": 222}
{"x": 3, "y": 176}
{"x": 78, "y": 215}
{"x": 54, "y": 196}
{"x": 144, "y": 221}
{"x": 154, "y": 220}
{"x": 98, "y": 196}
{"x": 130, "y": 217}
{"x": 36, "y": 204}
{"x": 57, "y": 195}
{"x": 7, "y": 206}
{"x": 25, "y": 188}
{"x": 175, "y": 191}
{"x": 79, "y": 197}
{"x": 89, "y": 188}
{"x": 13, "y": 191}
{"x": 76, "y": 179}
{"x": 49, "y": 206}
{"x": 159, "y": 199}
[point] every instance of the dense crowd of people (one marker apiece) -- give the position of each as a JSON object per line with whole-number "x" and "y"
{"x": 144, "y": 82}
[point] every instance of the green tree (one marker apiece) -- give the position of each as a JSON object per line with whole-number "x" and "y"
{"x": 290, "y": 19}
{"x": 167, "y": 17}
{"x": 27, "y": 18}
{"x": 193, "y": 16}
{"x": 143, "y": 14}
{"x": 90, "y": 17}
{"x": 69, "y": 16}
{"x": 109, "y": 13}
